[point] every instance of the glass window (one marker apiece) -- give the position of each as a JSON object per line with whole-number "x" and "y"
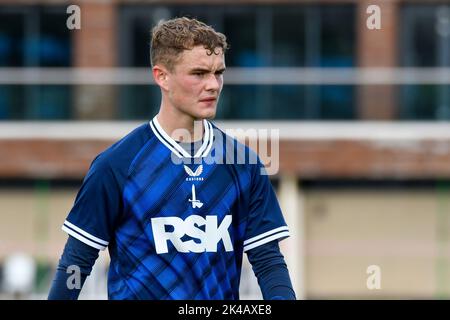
{"x": 11, "y": 35}
{"x": 337, "y": 25}
{"x": 259, "y": 36}
{"x": 54, "y": 40}
{"x": 425, "y": 35}
{"x": 139, "y": 102}
{"x": 48, "y": 102}
{"x": 288, "y": 36}
{"x": 239, "y": 27}
{"x": 336, "y": 102}
{"x": 33, "y": 36}
{"x": 337, "y": 36}
{"x": 12, "y": 102}
{"x": 141, "y": 28}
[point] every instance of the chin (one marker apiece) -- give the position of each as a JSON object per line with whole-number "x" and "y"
{"x": 207, "y": 114}
{"x": 211, "y": 115}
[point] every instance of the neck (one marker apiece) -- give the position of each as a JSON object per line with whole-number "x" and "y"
{"x": 180, "y": 126}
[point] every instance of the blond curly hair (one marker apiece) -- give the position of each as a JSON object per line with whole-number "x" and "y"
{"x": 170, "y": 38}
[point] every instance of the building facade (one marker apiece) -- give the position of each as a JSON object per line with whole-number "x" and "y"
{"x": 364, "y": 144}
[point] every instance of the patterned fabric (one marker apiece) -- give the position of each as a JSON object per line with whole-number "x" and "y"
{"x": 175, "y": 224}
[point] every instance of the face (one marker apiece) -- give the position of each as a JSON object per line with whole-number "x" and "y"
{"x": 194, "y": 85}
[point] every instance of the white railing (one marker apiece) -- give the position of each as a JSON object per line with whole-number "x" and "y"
{"x": 288, "y": 130}
{"x": 232, "y": 76}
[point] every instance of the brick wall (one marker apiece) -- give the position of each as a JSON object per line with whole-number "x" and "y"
{"x": 377, "y": 48}
{"x": 307, "y": 159}
{"x": 95, "y": 46}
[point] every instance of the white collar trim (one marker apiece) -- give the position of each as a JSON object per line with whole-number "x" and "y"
{"x": 175, "y": 147}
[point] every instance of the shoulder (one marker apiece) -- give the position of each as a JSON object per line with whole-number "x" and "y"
{"x": 119, "y": 156}
{"x": 234, "y": 150}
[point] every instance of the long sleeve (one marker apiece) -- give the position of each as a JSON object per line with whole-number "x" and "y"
{"x": 271, "y": 271}
{"x": 76, "y": 253}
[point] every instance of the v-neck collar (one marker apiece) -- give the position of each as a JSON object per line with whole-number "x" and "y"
{"x": 173, "y": 146}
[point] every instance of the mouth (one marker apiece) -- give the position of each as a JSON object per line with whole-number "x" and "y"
{"x": 212, "y": 99}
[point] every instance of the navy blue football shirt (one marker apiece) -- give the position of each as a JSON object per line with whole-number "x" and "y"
{"x": 175, "y": 224}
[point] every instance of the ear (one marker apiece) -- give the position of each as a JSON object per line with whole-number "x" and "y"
{"x": 160, "y": 75}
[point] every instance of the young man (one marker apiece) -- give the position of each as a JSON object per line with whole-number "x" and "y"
{"x": 177, "y": 216}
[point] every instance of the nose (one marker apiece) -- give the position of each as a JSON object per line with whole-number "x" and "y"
{"x": 213, "y": 83}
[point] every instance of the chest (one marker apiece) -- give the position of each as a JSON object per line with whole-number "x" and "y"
{"x": 181, "y": 190}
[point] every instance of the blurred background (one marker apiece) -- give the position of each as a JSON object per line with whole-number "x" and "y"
{"x": 364, "y": 153}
